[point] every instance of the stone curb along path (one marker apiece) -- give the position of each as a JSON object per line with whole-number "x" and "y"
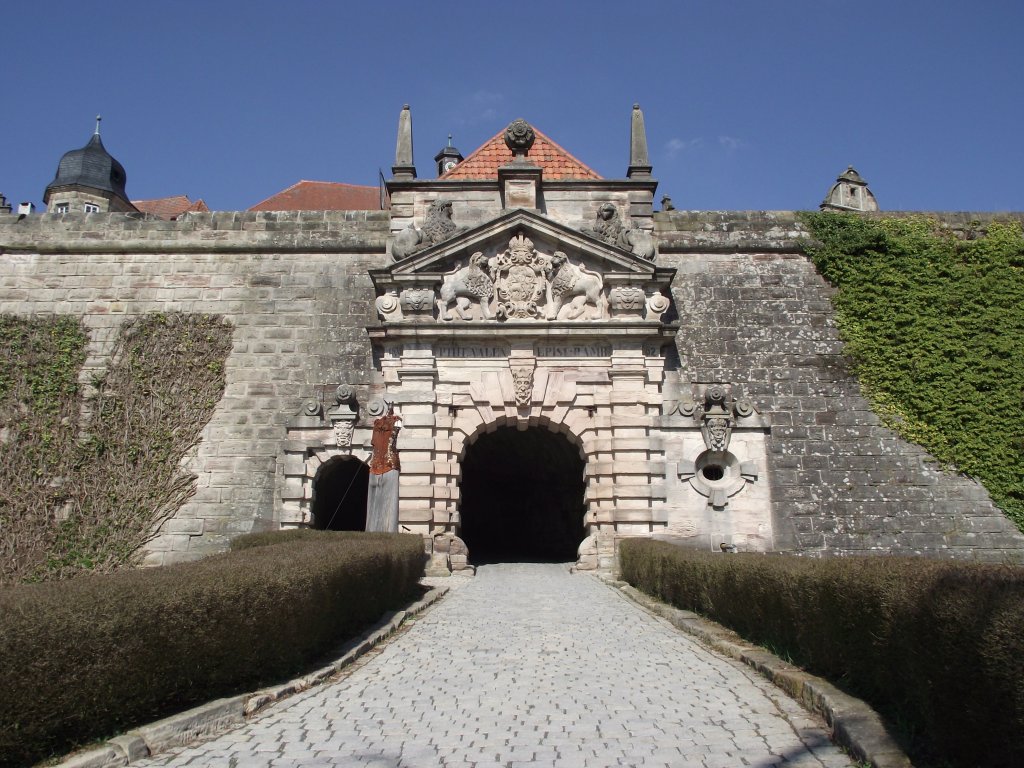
{"x": 209, "y": 719}
{"x": 855, "y": 726}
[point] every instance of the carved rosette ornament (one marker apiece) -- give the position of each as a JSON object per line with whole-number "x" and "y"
{"x": 519, "y": 137}
{"x": 522, "y": 384}
{"x": 519, "y": 279}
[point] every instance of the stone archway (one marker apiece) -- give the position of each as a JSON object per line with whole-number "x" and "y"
{"x": 522, "y": 496}
{"x": 339, "y": 495}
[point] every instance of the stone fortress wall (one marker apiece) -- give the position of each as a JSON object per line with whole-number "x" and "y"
{"x": 752, "y": 312}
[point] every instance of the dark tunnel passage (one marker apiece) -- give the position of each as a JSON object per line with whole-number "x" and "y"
{"x": 339, "y": 495}
{"x": 522, "y": 497}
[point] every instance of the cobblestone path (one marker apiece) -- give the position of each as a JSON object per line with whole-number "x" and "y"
{"x": 528, "y": 665}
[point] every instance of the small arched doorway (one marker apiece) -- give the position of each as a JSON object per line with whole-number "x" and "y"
{"x": 522, "y": 496}
{"x": 339, "y": 495}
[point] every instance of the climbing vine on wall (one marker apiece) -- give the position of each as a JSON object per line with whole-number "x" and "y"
{"x": 934, "y": 322}
{"x": 96, "y": 491}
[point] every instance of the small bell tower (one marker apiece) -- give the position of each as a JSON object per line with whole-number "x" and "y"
{"x": 447, "y": 158}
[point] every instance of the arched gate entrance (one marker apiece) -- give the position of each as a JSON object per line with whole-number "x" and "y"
{"x": 522, "y": 496}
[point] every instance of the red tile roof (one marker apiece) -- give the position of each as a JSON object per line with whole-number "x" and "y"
{"x": 169, "y": 208}
{"x": 556, "y": 162}
{"x": 322, "y": 196}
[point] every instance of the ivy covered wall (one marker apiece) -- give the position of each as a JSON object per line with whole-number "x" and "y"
{"x": 933, "y": 321}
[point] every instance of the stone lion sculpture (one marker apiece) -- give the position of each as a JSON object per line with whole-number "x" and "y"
{"x": 437, "y": 226}
{"x": 609, "y": 228}
{"x": 608, "y": 225}
{"x": 464, "y": 286}
{"x": 573, "y": 286}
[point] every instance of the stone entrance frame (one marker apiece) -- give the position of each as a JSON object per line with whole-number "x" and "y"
{"x": 602, "y": 389}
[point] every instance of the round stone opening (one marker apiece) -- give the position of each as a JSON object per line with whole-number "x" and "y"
{"x": 339, "y": 495}
{"x": 522, "y": 497}
{"x": 713, "y": 472}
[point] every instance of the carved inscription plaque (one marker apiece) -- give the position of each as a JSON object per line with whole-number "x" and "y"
{"x": 591, "y": 349}
{"x": 471, "y": 351}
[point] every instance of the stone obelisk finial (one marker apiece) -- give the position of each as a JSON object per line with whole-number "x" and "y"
{"x": 639, "y": 160}
{"x": 404, "y": 168}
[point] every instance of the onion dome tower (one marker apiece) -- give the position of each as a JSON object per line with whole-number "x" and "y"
{"x": 849, "y": 193}
{"x": 88, "y": 180}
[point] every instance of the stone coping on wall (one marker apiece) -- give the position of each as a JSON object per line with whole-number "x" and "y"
{"x": 775, "y": 231}
{"x": 218, "y": 231}
{"x": 367, "y": 231}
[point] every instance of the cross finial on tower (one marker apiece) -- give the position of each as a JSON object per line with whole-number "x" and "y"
{"x": 98, "y": 119}
{"x": 449, "y": 139}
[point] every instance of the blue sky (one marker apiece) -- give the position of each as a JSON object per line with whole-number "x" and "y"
{"x": 749, "y": 105}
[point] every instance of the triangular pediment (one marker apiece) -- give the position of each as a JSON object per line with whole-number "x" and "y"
{"x": 522, "y": 266}
{"x": 543, "y": 232}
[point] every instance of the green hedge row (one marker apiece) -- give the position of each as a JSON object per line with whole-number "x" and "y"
{"x": 84, "y": 658}
{"x": 936, "y": 646}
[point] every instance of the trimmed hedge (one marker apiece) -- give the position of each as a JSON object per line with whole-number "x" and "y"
{"x": 265, "y": 538}
{"x": 936, "y": 646}
{"x": 85, "y": 658}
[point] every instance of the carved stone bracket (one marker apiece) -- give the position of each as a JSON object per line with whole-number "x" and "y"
{"x": 344, "y": 415}
{"x": 417, "y": 301}
{"x": 522, "y": 384}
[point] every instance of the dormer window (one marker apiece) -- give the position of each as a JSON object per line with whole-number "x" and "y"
{"x": 60, "y": 207}
{"x": 91, "y": 208}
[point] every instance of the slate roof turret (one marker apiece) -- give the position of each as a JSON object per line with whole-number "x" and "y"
{"x": 91, "y": 167}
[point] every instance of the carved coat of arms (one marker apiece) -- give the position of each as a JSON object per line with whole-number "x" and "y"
{"x": 520, "y": 279}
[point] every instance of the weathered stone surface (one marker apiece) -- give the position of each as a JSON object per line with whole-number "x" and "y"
{"x": 752, "y": 312}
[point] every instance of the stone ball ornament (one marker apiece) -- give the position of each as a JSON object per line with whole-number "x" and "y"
{"x": 519, "y": 136}
{"x": 345, "y": 393}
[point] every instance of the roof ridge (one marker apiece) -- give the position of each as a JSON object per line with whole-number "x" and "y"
{"x": 155, "y": 199}
{"x": 336, "y": 183}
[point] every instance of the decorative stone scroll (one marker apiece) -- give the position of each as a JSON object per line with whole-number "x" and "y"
{"x": 388, "y": 306}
